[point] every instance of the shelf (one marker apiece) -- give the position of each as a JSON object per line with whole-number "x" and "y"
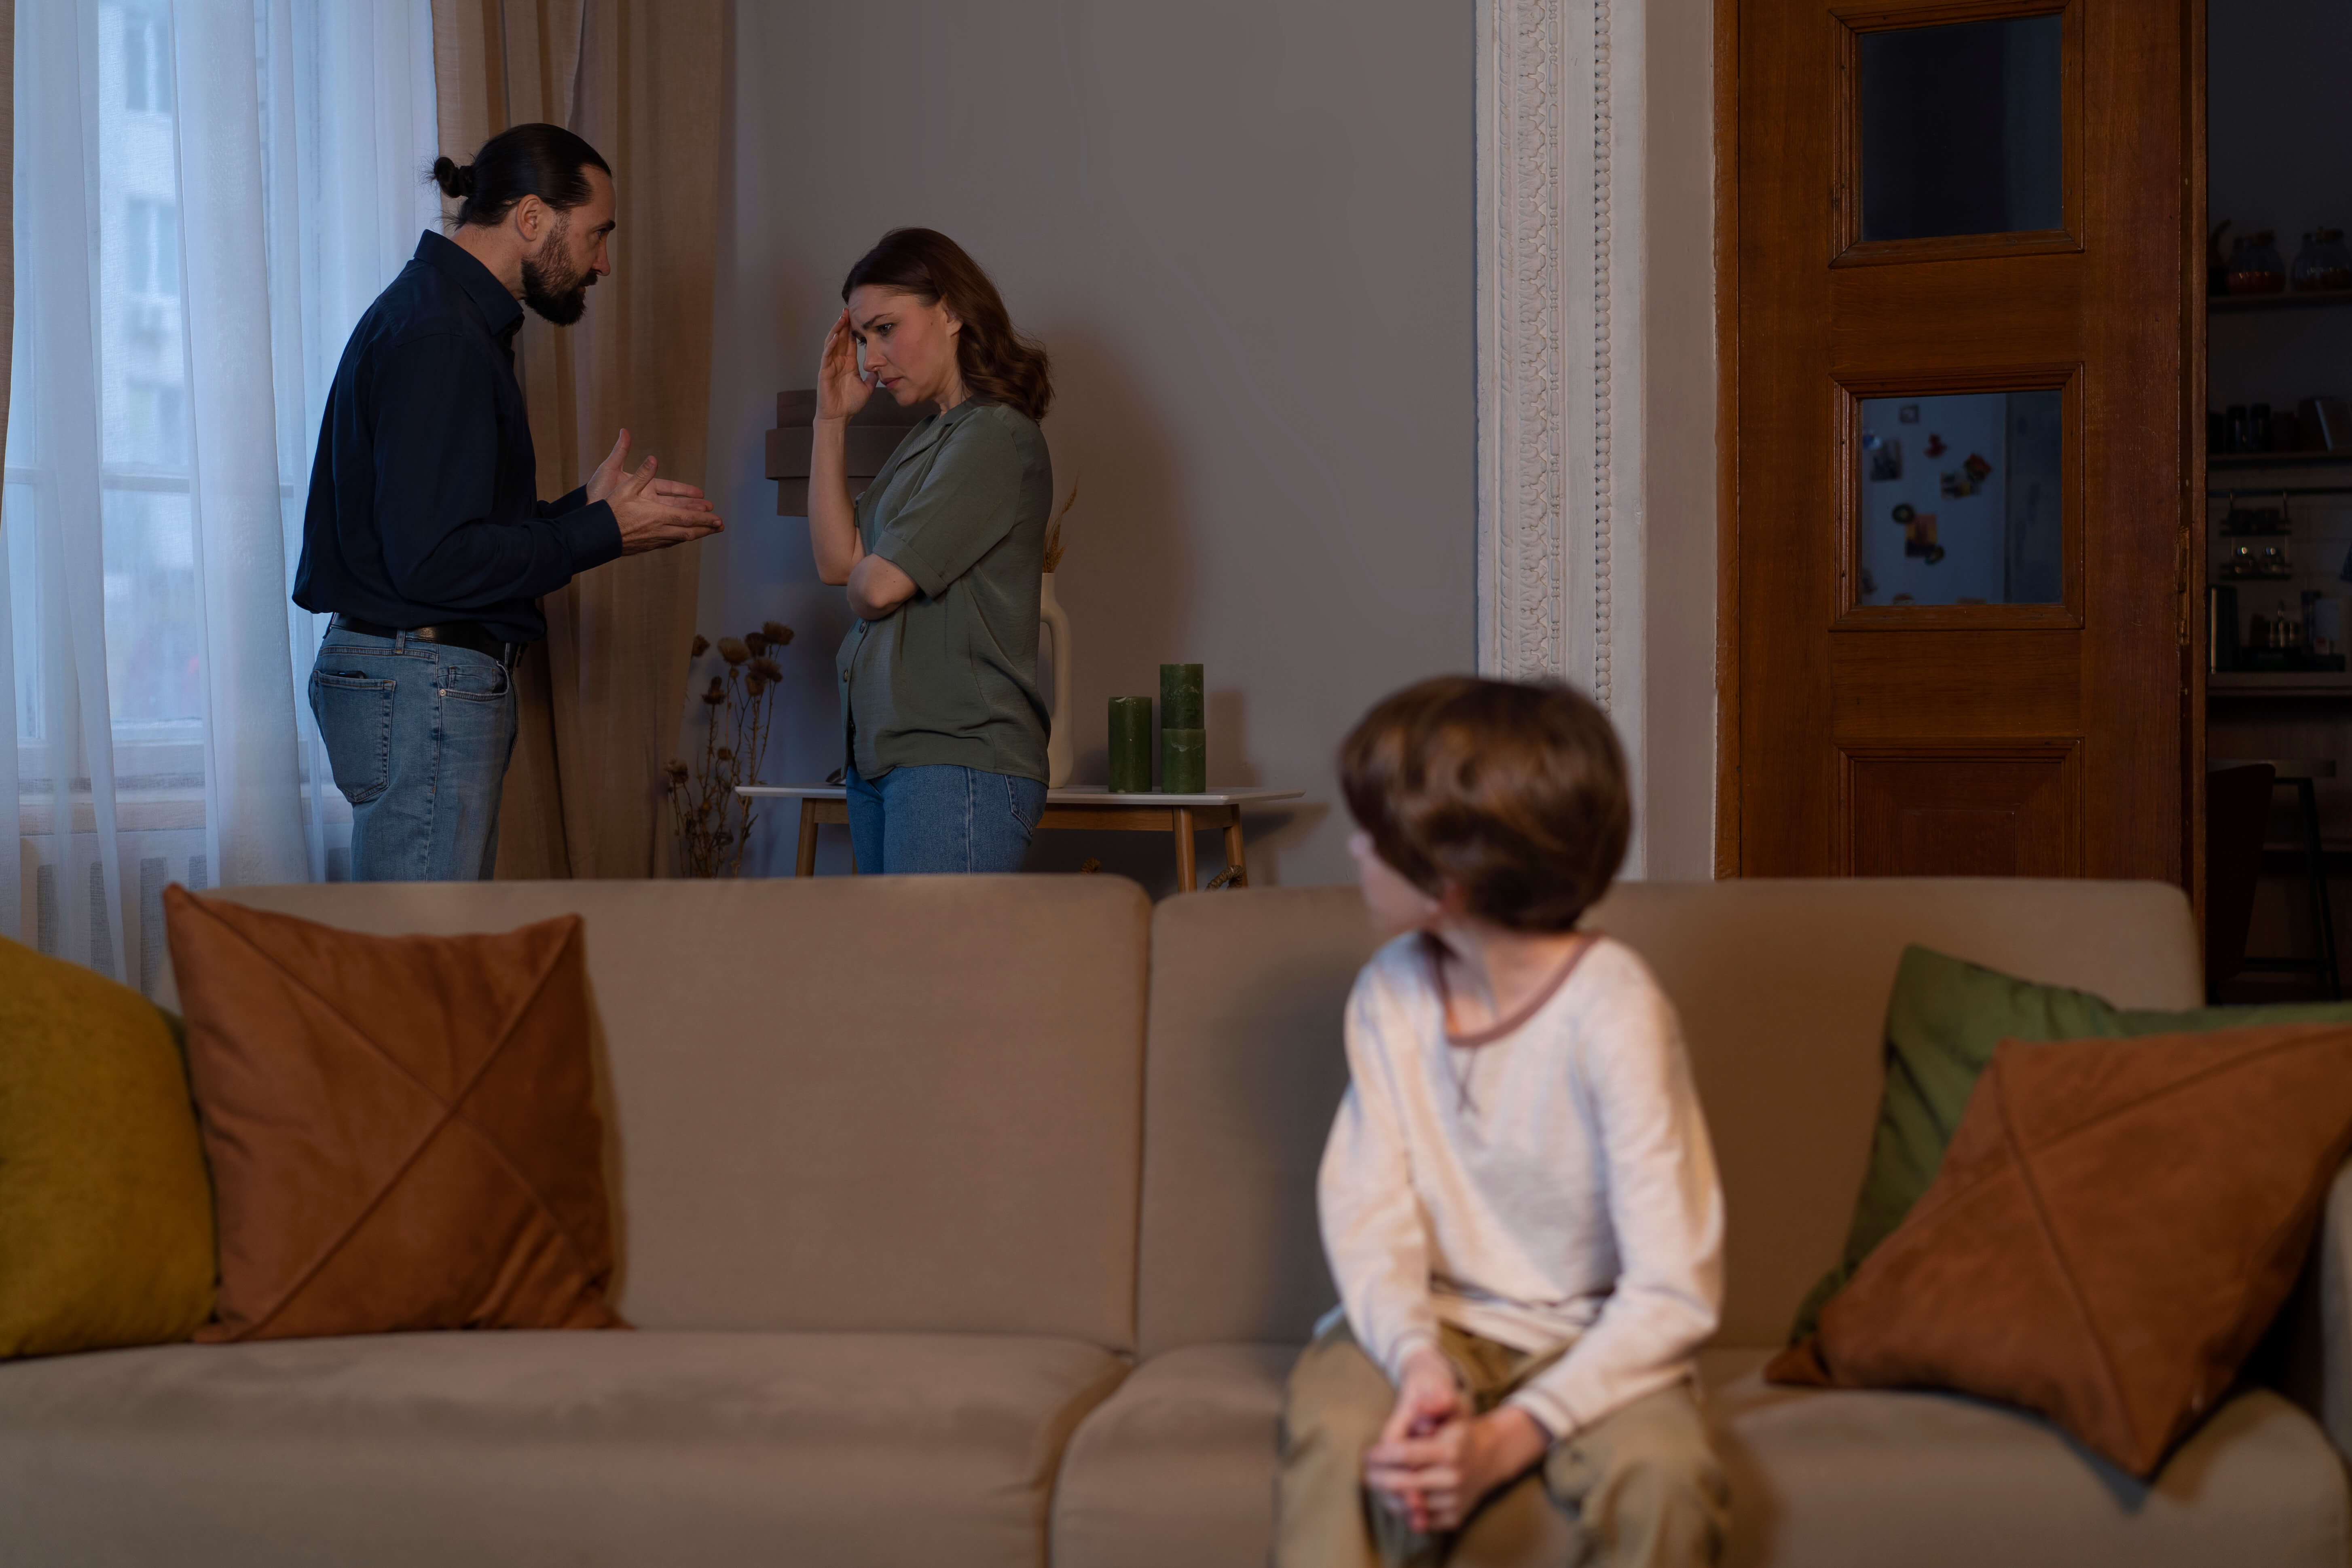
{"x": 2289, "y": 683}
{"x": 2258, "y": 304}
{"x": 2237, "y": 461}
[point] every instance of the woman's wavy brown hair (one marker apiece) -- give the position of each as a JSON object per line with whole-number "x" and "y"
{"x": 997, "y": 363}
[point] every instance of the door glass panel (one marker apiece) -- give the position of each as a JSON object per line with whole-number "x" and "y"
{"x": 1960, "y": 499}
{"x": 1959, "y": 129}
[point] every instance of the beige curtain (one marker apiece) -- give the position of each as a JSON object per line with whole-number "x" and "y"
{"x": 602, "y": 697}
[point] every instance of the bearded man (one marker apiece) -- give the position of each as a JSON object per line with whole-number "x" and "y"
{"x": 425, "y": 537}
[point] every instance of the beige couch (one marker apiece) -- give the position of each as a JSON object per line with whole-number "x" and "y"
{"x": 971, "y": 1222}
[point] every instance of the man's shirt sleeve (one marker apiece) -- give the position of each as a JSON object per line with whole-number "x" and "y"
{"x": 435, "y": 435}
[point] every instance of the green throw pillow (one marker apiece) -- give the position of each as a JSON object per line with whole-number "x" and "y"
{"x": 106, "y": 1206}
{"x": 1942, "y": 1024}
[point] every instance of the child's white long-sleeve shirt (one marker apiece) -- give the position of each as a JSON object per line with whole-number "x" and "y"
{"x": 1549, "y": 1185}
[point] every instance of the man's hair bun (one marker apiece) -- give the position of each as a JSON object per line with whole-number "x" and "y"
{"x": 455, "y": 183}
{"x": 543, "y": 161}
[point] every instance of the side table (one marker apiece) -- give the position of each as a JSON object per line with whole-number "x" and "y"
{"x": 1081, "y": 805}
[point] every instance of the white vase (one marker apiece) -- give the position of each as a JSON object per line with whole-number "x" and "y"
{"x": 1058, "y": 740}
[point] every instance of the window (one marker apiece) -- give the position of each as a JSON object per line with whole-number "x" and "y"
{"x": 1959, "y": 498}
{"x": 151, "y": 242}
{"x": 158, "y": 424}
{"x": 127, "y": 670}
{"x": 146, "y": 65}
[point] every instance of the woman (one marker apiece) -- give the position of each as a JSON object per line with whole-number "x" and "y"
{"x": 941, "y": 556}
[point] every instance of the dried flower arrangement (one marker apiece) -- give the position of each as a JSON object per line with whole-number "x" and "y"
{"x": 713, "y": 823}
{"x": 1053, "y": 530}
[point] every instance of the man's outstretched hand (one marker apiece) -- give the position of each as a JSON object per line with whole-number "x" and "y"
{"x": 654, "y": 514}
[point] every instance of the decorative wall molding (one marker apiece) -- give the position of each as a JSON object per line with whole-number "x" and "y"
{"x": 1560, "y": 98}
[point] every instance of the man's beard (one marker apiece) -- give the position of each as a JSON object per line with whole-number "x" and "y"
{"x": 554, "y": 292}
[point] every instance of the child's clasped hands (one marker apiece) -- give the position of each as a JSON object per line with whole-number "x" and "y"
{"x": 1436, "y": 1459}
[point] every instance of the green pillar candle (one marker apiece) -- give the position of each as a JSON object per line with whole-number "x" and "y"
{"x": 1183, "y": 759}
{"x": 1130, "y": 745}
{"x": 1180, "y": 697}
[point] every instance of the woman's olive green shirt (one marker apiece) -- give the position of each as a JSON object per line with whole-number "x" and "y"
{"x": 951, "y": 676}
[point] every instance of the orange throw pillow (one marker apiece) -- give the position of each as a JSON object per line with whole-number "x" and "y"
{"x": 2114, "y": 1225}
{"x": 401, "y": 1130}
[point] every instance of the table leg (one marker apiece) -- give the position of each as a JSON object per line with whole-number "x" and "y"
{"x": 804, "y": 864}
{"x": 1187, "y": 874}
{"x": 1234, "y": 853}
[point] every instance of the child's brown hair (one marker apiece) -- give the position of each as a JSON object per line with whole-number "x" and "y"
{"x": 1514, "y": 792}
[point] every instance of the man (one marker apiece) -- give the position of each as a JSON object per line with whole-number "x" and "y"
{"x": 425, "y": 535}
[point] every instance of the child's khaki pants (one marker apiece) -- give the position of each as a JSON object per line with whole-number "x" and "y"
{"x": 1640, "y": 1487}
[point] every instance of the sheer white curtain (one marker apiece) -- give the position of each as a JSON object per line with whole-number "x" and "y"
{"x": 207, "y": 193}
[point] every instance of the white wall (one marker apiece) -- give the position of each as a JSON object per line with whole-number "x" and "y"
{"x": 1245, "y": 230}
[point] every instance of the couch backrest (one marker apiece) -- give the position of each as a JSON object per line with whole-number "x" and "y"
{"x": 1782, "y": 988}
{"x": 1243, "y": 1069}
{"x": 850, "y": 1104}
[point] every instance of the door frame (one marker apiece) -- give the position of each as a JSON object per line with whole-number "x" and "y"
{"x": 2190, "y": 570}
{"x": 1726, "y": 438}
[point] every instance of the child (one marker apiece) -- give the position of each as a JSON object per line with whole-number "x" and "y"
{"x": 1519, "y": 1200}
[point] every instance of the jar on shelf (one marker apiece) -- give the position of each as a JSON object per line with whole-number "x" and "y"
{"x": 2323, "y": 265}
{"x": 2255, "y": 265}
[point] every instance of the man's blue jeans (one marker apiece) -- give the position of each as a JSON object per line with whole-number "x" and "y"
{"x": 941, "y": 818}
{"x": 418, "y": 735}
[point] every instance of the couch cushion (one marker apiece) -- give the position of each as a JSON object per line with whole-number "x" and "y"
{"x": 106, "y": 1211}
{"x": 1868, "y": 1478}
{"x": 853, "y": 1103}
{"x": 1782, "y": 988}
{"x": 1943, "y": 1023}
{"x": 2053, "y": 1264}
{"x": 528, "y": 1448}
{"x": 402, "y": 1130}
{"x": 1177, "y": 1468}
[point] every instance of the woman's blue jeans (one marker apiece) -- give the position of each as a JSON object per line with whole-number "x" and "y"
{"x": 418, "y": 735}
{"x": 941, "y": 818}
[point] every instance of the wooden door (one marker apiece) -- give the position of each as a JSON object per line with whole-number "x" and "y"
{"x": 1963, "y": 462}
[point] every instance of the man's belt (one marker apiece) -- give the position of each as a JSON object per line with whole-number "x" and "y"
{"x": 468, "y": 635}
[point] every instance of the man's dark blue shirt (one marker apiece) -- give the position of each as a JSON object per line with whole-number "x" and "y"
{"x": 425, "y": 496}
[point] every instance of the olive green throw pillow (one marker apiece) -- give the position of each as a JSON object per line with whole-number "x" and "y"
{"x": 1942, "y": 1024}
{"x": 106, "y": 1208}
